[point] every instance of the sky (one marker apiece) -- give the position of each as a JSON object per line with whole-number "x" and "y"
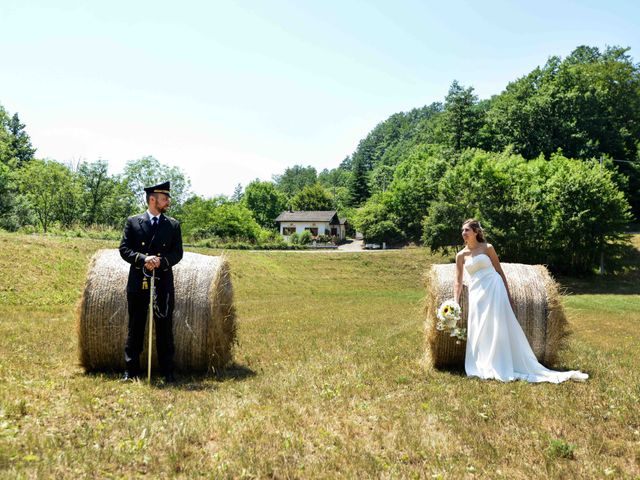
{"x": 231, "y": 91}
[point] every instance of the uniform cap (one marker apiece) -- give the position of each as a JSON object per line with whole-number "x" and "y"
{"x": 160, "y": 188}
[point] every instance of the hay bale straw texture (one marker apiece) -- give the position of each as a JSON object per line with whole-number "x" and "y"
{"x": 537, "y": 308}
{"x": 204, "y": 321}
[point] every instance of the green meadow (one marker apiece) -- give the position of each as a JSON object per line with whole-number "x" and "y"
{"x": 327, "y": 381}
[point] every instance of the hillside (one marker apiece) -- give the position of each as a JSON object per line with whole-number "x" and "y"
{"x": 585, "y": 105}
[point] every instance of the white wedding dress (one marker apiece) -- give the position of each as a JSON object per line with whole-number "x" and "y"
{"x": 496, "y": 344}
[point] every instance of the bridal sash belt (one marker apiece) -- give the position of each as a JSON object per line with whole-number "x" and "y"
{"x": 483, "y": 272}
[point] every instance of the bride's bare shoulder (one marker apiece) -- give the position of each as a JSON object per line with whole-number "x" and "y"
{"x": 460, "y": 256}
{"x": 491, "y": 251}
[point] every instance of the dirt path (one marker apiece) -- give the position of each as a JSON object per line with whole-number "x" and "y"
{"x": 352, "y": 246}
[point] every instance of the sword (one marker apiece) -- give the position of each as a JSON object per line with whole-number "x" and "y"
{"x": 151, "y": 295}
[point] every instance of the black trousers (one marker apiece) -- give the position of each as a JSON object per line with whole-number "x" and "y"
{"x": 138, "y": 304}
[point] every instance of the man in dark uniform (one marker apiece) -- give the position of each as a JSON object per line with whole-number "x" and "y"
{"x": 152, "y": 244}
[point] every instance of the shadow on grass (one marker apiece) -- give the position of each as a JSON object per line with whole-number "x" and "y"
{"x": 459, "y": 372}
{"x": 455, "y": 371}
{"x": 622, "y": 275}
{"x": 235, "y": 372}
{"x": 202, "y": 381}
{"x": 184, "y": 381}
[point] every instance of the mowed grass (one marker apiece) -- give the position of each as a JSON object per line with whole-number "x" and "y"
{"x": 327, "y": 382}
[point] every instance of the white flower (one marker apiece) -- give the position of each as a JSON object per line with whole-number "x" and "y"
{"x": 448, "y": 310}
{"x": 449, "y": 314}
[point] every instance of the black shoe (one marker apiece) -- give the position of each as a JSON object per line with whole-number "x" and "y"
{"x": 129, "y": 376}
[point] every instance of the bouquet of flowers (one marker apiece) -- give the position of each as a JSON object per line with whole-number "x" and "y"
{"x": 449, "y": 314}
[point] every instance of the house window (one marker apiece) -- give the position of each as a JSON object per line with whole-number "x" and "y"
{"x": 334, "y": 232}
{"x": 313, "y": 230}
{"x": 288, "y": 230}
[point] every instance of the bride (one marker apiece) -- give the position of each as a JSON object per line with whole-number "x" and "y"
{"x": 496, "y": 345}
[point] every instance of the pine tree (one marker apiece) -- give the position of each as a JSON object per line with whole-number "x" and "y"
{"x": 21, "y": 150}
{"x": 461, "y": 118}
{"x": 237, "y": 193}
{"x": 359, "y": 187}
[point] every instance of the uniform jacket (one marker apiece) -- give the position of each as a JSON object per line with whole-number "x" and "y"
{"x": 138, "y": 242}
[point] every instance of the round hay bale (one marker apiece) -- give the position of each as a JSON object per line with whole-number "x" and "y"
{"x": 204, "y": 321}
{"x": 537, "y": 308}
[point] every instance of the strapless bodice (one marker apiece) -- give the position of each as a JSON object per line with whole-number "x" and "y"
{"x": 477, "y": 263}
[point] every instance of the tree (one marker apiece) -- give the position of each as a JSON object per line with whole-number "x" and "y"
{"x": 68, "y": 205}
{"x": 559, "y": 212}
{"x": 15, "y": 150}
{"x": 359, "y": 187}
{"x": 386, "y": 146}
{"x": 233, "y": 221}
{"x": 388, "y": 142}
{"x": 97, "y": 187}
{"x": 384, "y": 231}
{"x": 49, "y": 188}
{"x": 6, "y": 198}
{"x": 461, "y": 119}
{"x": 104, "y": 199}
{"x": 337, "y": 177}
{"x": 414, "y": 187}
{"x": 337, "y": 182}
{"x": 346, "y": 163}
{"x": 5, "y": 138}
{"x": 587, "y": 212}
{"x": 381, "y": 178}
{"x": 197, "y": 214}
{"x": 148, "y": 171}
{"x": 374, "y": 220}
{"x": 120, "y": 204}
{"x": 340, "y": 200}
{"x": 587, "y": 105}
{"x": 15, "y": 144}
{"x": 294, "y": 179}
{"x": 218, "y": 218}
{"x": 265, "y": 201}
{"x": 495, "y": 189}
{"x": 237, "y": 193}
{"x": 21, "y": 149}
{"x": 312, "y": 197}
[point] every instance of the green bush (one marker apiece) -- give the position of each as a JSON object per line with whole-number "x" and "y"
{"x": 559, "y": 212}
{"x": 98, "y": 232}
{"x": 324, "y": 239}
{"x": 376, "y": 210}
{"x": 294, "y": 238}
{"x": 208, "y": 218}
{"x": 384, "y": 231}
{"x": 269, "y": 236}
{"x": 237, "y": 245}
{"x": 305, "y": 237}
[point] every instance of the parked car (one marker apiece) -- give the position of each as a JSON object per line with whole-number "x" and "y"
{"x": 372, "y": 246}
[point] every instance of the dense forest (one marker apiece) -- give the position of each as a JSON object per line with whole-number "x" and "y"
{"x": 557, "y": 152}
{"x": 586, "y": 106}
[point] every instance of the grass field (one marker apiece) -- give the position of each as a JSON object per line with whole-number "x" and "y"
{"x": 327, "y": 381}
